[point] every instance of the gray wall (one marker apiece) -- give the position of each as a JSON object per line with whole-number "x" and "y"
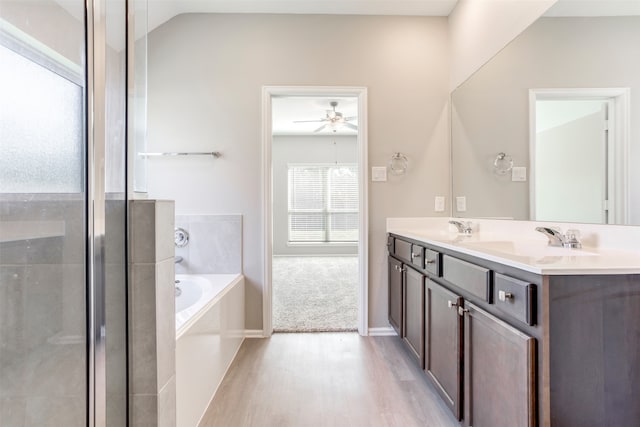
{"x": 305, "y": 149}
{"x": 490, "y": 111}
{"x": 206, "y": 72}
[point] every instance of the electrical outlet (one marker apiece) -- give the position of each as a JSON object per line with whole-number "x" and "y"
{"x": 461, "y": 204}
{"x": 439, "y": 204}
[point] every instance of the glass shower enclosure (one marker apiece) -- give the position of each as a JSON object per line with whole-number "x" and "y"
{"x": 63, "y": 206}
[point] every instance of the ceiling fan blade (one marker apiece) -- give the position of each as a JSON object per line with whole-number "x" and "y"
{"x": 350, "y": 126}
{"x": 309, "y": 121}
{"x": 320, "y": 128}
{"x": 351, "y": 118}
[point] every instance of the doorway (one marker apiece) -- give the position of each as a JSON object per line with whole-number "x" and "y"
{"x": 314, "y": 171}
{"x": 578, "y": 155}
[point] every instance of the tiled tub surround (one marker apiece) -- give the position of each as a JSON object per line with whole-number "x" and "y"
{"x": 215, "y": 244}
{"x": 209, "y": 334}
{"x": 615, "y": 249}
{"x": 152, "y": 378}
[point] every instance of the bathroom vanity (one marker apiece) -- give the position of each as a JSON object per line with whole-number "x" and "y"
{"x": 517, "y": 334}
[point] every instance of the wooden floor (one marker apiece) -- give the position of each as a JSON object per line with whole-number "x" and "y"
{"x": 325, "y": 379}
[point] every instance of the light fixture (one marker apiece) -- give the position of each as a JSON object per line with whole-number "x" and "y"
{"x": 398, "y": 164}
{"x": 502, "y": 164}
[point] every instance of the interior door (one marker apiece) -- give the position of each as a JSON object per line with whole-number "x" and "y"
{"x": 571, "y": 165}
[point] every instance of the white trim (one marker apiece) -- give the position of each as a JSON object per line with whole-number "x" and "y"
{"x": 267, "y": 181}
{"x": 254, "y": 333}
{"x": 619, "y": 136}
{"x": 382, "y": 332}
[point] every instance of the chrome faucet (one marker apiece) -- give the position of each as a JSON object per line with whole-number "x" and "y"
{"x": 556, "y": 238}
{"x": 178, "y": 259}
{"x": 463, "y": 227}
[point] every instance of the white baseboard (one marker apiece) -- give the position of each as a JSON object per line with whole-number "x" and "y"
{"x": 382, "y": 332}
{"x": 254, "y": 333}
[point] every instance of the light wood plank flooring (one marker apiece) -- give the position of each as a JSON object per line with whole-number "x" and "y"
{"x": 325, "y": 379}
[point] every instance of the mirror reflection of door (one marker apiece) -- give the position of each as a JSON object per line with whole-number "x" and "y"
{"x": 572, "y": 163}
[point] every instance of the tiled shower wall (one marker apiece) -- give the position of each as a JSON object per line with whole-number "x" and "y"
{"x": 215, "y": 244}
{"x": 152, "y": 333}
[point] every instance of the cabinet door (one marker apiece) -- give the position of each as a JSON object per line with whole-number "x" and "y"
{"x": 500, "y": 386}
{"x": 443, "y": 343}
{"x": 414, "y": 313}
{"x": 395, "y": 295}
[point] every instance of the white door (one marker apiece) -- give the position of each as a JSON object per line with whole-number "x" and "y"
{"x": 571, "y": 161}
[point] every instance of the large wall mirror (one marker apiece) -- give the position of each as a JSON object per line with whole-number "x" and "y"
{"x": 549, "y": 128}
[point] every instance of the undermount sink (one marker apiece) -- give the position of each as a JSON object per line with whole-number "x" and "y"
{"x": 526, "y": 249}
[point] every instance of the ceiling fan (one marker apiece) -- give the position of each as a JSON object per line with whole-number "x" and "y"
{"x": 333, "y": 120}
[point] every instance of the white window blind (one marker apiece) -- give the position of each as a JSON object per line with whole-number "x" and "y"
{"x": 323, "y": 203}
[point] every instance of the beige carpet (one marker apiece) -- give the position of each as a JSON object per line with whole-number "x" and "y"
{"x": 315, "y": 294}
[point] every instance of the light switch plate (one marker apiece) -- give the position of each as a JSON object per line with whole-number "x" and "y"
{"x": 518, "y": 174}
{"x": 461, "y": 204}
{"x": 439, "y": 204}
{"x": 379, "y": 173}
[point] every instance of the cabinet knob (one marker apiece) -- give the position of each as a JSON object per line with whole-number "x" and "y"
{"x": 503, "y": 296}
{"x": 429, "y": 261}
{"x": 451, "y": 304}
{"x": 415, "y": 255}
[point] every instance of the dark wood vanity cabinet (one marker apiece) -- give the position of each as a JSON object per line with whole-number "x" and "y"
{"x": 414, "y": 313}
{"x": 477, "y": 362}
{"x": 505, "y": 347}
{"x": 443, "y": 344}
{"x": 396, "y": 295}
{"x": 500, "y": 372}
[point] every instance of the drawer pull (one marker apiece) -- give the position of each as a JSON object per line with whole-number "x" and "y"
{"x": 503, "y": 296}
{"x": 415, "y": 255}
{"x": 430, "y": 261}
{"x": 452, "y": 304}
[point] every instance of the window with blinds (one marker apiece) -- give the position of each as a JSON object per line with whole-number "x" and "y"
{"x": 323, "y": 203}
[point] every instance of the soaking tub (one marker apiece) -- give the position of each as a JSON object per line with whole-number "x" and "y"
{"x": 209, "y": 332}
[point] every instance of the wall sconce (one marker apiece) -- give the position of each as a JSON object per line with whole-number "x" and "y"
{"x": 502, "y": 164}
{"x": 398, "y": 164}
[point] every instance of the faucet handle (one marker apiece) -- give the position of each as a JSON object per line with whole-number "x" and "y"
{"x": 572, "y": 239}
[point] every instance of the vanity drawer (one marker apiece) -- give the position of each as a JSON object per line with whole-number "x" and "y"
{"x": 390, "y": 244}
{"x": 402, "y": 250}
{"x": 417, "y": 256}
{"x": 515, "y": 298}
{"x": 432, "y": 262}
{"x": 472, "y": 278}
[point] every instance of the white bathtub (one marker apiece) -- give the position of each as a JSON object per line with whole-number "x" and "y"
{"x": 209, "y": 332}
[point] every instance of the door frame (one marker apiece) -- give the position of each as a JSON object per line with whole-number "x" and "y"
{"x": 618, "y": 142}
{"x": 268, "y": 92}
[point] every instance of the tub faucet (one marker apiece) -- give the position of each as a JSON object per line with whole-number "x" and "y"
{"x": 177, "y": 259}
{"x": 463, "y": 227}
{"x": 556, "y": 238}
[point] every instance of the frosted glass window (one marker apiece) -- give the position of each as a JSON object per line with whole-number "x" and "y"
{"x": 41, "y": 128}
{"x": 323, "y": 203}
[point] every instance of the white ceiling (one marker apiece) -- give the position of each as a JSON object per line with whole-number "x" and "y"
{"x": 286, "y": 110}
{"x": 595, "y": 8}
{"x": 161, "y": 11}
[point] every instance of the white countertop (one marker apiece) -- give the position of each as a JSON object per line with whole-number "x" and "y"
{"x": 529, "y": 253}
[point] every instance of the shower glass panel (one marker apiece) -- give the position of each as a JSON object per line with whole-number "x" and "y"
{"x": 52, "y": 154}
{"x": 43, "y": 226}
